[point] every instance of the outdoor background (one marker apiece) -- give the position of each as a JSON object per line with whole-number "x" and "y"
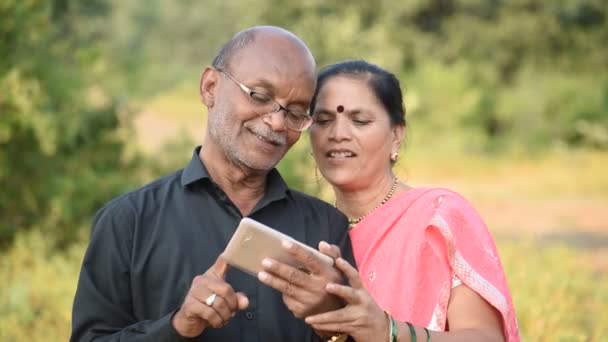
{"x": 507, "y": 103}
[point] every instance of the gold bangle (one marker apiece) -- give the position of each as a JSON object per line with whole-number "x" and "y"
{"x": 341, "y": 337}
{"x": 392, "y": 331}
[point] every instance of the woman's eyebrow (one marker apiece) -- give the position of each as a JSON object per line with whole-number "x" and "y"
{"x": 324, "y": 111}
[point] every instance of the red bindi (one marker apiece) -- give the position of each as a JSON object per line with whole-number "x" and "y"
{"x": 340, "y": 108}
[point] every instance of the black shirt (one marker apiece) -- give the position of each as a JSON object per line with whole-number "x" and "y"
{"x": 148, "y": 245}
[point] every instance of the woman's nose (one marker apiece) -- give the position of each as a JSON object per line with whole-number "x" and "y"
{"x": 339, "y": 130}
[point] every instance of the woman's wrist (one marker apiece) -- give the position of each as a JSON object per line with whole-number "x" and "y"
{"x": 392, "y": 327}
{"x": 405, "y": 334}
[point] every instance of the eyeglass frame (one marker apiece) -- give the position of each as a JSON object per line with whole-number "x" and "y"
{"x": 277, "y": 106}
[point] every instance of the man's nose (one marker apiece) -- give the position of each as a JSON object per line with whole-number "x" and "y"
{"x": 276, "y": 120}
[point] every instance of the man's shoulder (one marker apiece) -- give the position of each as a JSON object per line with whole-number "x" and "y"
{"x": 135, "y": 199}
{"x": 305, "y": 198}
{"x": 316, "y": 207}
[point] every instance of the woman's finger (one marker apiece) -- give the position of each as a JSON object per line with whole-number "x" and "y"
{"x": 334, "y": 327}
{"x": 351, "y": 273}
{"x": 349, "y": 294}
{"x": 340, "y": 316}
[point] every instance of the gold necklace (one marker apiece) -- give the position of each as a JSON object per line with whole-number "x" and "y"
{"x": 353, "y": 222}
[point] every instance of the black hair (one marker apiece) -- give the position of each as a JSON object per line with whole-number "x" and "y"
{"x": 385, "y": 85}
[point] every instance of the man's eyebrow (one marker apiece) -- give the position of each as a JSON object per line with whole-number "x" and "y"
{"x": 263, "y": 83}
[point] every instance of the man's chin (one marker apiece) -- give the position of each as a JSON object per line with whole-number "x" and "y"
{"x": 258, "y": 165}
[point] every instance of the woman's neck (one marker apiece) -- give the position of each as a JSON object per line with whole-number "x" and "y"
{"x": 358, "y": 203}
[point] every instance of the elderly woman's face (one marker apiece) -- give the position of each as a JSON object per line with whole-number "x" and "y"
{"x": 351, "y": 137}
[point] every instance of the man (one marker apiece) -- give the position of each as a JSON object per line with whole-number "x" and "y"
{"x": 153, "y": 269}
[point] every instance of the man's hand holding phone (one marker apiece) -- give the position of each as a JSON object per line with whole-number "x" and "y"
{"x": 303, "y": 288}
{"x": 298, "y": 271}
{"x": 210, "y": 302}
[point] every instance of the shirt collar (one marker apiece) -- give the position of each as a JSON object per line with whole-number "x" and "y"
{"x": 196, "y": 171}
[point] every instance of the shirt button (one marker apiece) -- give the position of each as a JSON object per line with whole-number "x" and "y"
{"x": 249, "y": 315}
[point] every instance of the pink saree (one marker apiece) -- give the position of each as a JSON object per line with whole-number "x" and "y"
{"x": 409, "y": 251}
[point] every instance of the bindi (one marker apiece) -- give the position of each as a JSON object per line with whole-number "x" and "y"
{"x": 340, "y": 108}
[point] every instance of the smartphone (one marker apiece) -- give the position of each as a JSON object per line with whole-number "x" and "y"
{"x": 254, "y": 241}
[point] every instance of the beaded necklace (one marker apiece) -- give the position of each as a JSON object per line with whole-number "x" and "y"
{"x": 353, "y": 222}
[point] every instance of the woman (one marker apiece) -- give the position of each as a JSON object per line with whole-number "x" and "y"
{"x": 423, "y": 254}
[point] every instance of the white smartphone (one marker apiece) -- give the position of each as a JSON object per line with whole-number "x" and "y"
{"x": 254, "y": 241}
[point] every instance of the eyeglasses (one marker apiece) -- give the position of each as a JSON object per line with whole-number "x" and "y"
{"x": 264, "y": 105}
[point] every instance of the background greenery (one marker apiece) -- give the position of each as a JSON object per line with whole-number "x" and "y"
{"x": 507, "y": 102}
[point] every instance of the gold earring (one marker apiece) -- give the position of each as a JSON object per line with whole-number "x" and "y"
{"x": 395, "y": 156}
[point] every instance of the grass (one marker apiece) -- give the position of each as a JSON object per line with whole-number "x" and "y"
{"x": 560, "y": 293}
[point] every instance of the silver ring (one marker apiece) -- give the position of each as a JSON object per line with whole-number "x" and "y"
{"x": 209, "y": 301}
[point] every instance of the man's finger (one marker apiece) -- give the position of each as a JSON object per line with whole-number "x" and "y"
{"x": 221, "y": 307}
{"x": 220, "y": 267}
{"x": 242, "y": 300}
{"x": 224, "y": 290}
{"x": 307, "y": 257}
{"x": 331, "y": 250}
{"x": 288, "y": 273}
{"x": 281, "y": 285}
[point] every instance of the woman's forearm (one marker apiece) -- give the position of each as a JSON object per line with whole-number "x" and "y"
{"x": 473, "y": 334}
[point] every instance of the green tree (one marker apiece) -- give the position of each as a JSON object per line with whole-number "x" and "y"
{"x": 61, "y": 149}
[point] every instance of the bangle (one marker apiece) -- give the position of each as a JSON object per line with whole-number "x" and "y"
{"x": 392, "y": 332}
{"x": 412, "y": 331}
{"x": 428, "y": 335}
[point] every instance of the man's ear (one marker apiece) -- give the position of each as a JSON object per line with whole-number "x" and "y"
{"x": 208, "y": 86}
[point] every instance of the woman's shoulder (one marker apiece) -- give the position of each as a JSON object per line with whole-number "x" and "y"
{"x": 451, "y": 209}
{"x": 440, "y": 196}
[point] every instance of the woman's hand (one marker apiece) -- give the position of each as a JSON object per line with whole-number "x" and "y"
{"x": 361, "y": 318}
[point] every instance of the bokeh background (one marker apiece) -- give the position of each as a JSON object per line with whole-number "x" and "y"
{"x": 507, "y": 103}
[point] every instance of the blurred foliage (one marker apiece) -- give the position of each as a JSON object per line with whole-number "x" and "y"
{"x": 523, "y": 72}
{"x": 38, "y": 288}
{"x": 61, "y": 151}
{"x": 496, "y": 78}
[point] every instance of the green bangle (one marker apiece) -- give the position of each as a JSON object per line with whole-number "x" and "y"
{"x": 412, "y": 331}
{"x": 393, "y": 329}
{"x": 428, "y": 335}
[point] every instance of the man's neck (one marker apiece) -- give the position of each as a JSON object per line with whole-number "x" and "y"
{"x": 244, "y": 186}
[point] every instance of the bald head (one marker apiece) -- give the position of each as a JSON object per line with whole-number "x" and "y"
{"x": 257, "y": 33}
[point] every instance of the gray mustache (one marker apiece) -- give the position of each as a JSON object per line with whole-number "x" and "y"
{"x": 270, "y": 135}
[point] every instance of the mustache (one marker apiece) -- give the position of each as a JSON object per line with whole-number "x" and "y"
{"x": 269, "y": 135}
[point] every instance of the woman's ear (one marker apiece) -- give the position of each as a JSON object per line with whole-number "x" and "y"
{"x": 398, "y": 136}
{"x": 208, "y": 85}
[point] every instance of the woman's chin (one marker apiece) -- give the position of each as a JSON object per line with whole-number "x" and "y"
{"x": 339, "y": 179}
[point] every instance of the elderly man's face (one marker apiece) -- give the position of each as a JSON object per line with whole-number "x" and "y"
{"x": 274, "y": 66}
